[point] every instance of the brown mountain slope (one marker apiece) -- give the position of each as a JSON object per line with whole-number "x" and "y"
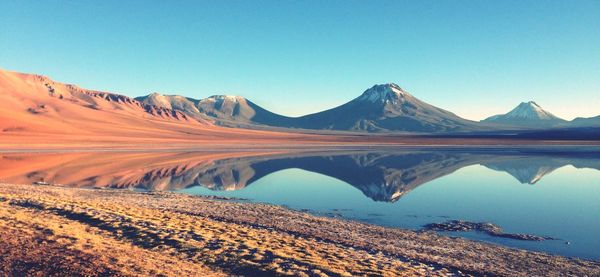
{"x": 35, "y": 110}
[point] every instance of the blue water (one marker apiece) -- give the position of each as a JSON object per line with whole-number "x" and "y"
{"x": 554, "y": 193}
{"x": 564, "y": 204}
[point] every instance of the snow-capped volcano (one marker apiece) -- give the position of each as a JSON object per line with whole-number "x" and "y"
{"x": 386, "y": 107}
{"x": 529, "y": 110}
{"x": 527, "y": 114}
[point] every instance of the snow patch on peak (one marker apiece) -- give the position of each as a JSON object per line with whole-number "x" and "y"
{"x": 383, "y": 93}
{"x": 530, "y": 105}
{"x": 231, "y": 98}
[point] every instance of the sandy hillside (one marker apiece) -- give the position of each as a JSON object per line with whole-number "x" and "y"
{"x": 37, "y": 110}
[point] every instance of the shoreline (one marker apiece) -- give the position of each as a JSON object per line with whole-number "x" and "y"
{"x": 140, "y": 233}
{"x": 568, "y": 148}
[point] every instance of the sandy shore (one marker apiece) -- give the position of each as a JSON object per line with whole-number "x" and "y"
{"x": 105, "y": 232}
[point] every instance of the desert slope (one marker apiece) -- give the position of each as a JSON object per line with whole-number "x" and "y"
{"x": 37, "y": 110}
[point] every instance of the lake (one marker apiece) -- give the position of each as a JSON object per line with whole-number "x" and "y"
{"x": 542, "y": 192}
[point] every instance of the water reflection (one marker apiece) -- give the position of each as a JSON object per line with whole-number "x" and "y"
{"x": 408, "y": 188}
{"x": 382, "y": 176}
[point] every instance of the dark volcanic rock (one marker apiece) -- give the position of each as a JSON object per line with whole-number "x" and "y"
{"x": 486, "y": 227}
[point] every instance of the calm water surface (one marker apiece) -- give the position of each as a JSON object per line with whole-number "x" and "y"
{"x": 545, "y": 194}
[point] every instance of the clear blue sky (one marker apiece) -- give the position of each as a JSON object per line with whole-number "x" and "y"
{"x": 475, "y": 58}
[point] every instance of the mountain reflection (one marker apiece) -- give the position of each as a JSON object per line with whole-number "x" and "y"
{"x": 381, "y": 176}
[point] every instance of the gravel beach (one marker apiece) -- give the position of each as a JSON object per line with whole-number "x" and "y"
{"x": 66, "y": 231}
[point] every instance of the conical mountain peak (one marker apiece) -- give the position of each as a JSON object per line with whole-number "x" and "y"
{"x": 530, "y": 110}
{"x": 527, "y": 113}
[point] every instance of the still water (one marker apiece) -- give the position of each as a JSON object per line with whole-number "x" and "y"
{"x": 526, "y": 192}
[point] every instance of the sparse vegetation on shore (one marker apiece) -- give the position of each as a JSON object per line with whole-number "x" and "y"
{"x": 101, "y": 232}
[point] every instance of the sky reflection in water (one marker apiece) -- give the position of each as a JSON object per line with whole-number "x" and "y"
{"x": 543, "y": 194}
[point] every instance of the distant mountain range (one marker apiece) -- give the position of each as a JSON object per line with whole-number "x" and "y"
{"x": 35, "y": 103}
{"x": 381, "y": 108}
{"x": 589, "y": 121}
{"x": 225, "y": 110}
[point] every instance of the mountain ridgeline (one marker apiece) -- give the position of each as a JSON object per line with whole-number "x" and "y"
{"x": 37, "y": 104}
{"x": 225, "y": 110}
{"x": 382, "y": 108}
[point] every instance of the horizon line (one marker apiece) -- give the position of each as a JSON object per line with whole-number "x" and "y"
{"x": 294, "y": 116}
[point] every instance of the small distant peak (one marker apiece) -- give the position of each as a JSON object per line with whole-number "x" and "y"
{"x": 526, "y": 110}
